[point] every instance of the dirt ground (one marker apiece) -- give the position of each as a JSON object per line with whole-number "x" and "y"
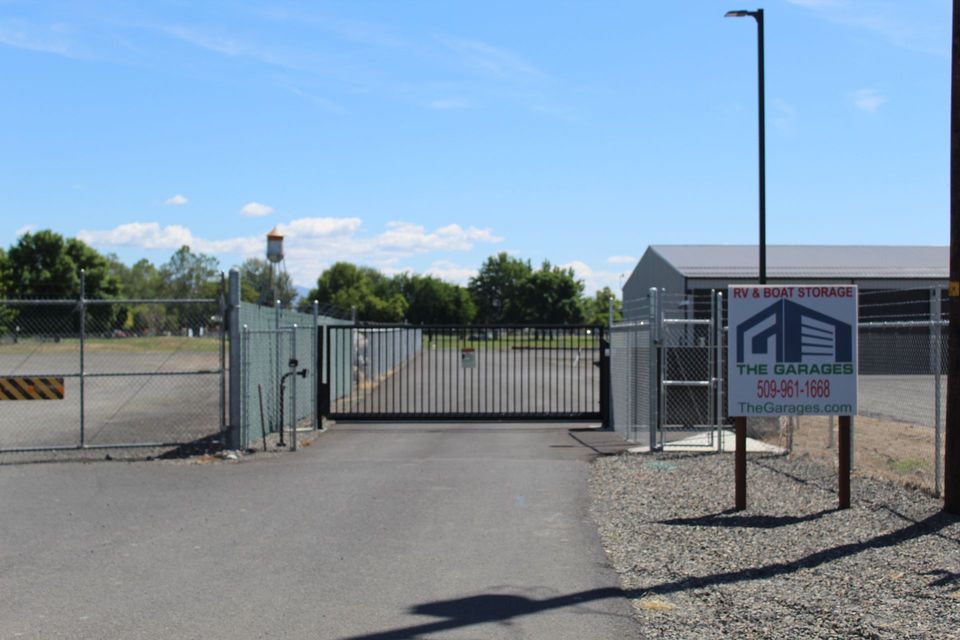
{"x": 888, "y": 450}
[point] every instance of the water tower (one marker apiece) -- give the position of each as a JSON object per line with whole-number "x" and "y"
{"x": 277, "y": 265}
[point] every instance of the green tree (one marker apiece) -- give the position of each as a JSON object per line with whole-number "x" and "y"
{"x": 5, "y": 275}
{"x": 497, "y": 289}
{"x": 346, "y": 286}
{"x": 552, "y": 295}
{"x": 45, "y": 265}
{"x": 190, "y": 275}
{"x": 7, "y": 313}
{"x": 39, "y": 267}
{"x": 596, "y": 310}
{"x": 139, "y": 282}
{"x": 187, "y": 275}
{"x": 257, "y": 285}
{"x": 433, "y": 301}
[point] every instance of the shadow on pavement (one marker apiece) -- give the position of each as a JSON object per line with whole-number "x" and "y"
{"x": 500, "y": 608}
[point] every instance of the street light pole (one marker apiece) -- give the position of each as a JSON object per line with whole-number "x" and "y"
{"x": 758, "y": 16}
{"x": 951, "y": 466}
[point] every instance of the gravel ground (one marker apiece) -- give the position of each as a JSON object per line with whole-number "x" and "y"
{"x": 790, "y": 566}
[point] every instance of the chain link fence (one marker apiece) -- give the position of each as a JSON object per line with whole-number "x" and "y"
{"x": 631, "y": 372}
{"x": 111, "y": 373}
{"x": 902, "y": 356}
{"x": 901, "y": 395}
{"x": 274, "y": 399}
{"x": 664, "y": 372}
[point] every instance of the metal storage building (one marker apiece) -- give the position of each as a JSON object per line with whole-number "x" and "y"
{"x": 897, "y": 274}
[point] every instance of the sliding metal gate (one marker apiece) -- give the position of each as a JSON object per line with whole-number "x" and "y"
{"x": 402, "y": 372}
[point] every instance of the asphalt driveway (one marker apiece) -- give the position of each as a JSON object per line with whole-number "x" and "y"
{"x": 374, "y": 531}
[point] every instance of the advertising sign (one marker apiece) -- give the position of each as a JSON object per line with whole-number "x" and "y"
{"x": 792, "y": 350}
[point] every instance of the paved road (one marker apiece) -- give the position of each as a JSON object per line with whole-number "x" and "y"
{"x": 375, "y": 531}
{"x": 910, "y": 399}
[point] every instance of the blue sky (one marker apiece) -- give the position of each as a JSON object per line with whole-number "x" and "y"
{"x": 428, "y": 135}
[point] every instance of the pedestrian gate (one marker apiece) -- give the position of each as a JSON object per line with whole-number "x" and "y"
{"x": 403, "y": 372}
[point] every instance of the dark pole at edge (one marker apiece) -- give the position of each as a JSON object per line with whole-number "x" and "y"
{"x": 740, "y": 463}
{"x": 758, "y": 16}
{"x": 951, "y": 467}
{"x": 843, "y": 450}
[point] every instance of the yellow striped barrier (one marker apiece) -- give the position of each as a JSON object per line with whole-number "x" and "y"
{"x": 35, "y": 388}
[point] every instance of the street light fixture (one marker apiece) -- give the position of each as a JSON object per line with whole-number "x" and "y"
{"x": 758, "y": 16}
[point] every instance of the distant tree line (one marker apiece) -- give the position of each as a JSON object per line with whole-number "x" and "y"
{"x": 506, "y": 290}
{"x": 46, "y": 266}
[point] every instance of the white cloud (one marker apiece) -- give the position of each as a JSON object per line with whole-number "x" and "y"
{"x": 312, "y": 244}
{"x": 318, "y": 227}
{"x": 621, "y": 259}
{"x": 23, "y": 35}
{"x": 594, "y": 280}
{"x": 265, "y": 47}
{"x": 218, "y": 42}
{"x": 918, "y": 25}
{"x": 407, "y": 236}
{"x": 451, "y": 272}
{"x": 488, "y": 60}
{"x": 256, "y": 210}
{"x": 150, "y": 235}
{"x": 25, "y": 229}
{"x": 867, "y": 100}
{"x": 178, "y": 199}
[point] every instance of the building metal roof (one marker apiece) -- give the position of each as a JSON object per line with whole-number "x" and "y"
{"x": 808, "y": 261}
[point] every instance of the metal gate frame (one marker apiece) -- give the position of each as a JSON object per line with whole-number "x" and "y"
{"x": 590, "y": 403}
{"x": 714, "y": 348}
{"x": 82, "y": 306}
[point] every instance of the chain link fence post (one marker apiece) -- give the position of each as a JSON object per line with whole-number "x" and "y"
{"x": 935, "y": 365}
{"x": 721, "y": 369}
{"x": 611, "y": 417}
{"x": 654, "y": 360}
{"x": 316, "y": 365}
{"x": 222, "y": 313}
{"x": 711, "y": 366}
{"x": 293, "y": 390}
{"x": 83, "y": 373}
{"x": 278, "y": 373}
{"x": 245, "y": 411}
{"x": 234, "y": 439}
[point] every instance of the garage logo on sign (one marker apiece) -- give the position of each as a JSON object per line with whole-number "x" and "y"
{"x": 798, "y": 333}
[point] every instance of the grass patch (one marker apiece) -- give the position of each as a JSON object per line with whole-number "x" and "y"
{"x": 906, "y": 466}
{"x": 157, "y": 344}
{"x": 653, "y": 603}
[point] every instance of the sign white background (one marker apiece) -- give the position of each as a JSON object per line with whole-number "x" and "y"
{"x": 817, "y": 384}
